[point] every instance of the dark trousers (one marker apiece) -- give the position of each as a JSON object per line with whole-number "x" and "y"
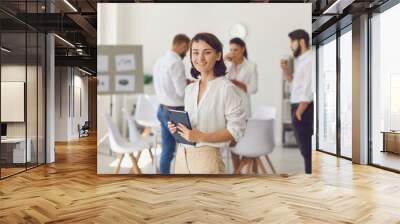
{"x": 168, "y": 142}
{"x": 303, "y": 131}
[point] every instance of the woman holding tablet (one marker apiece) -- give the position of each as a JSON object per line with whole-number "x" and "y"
{"x": 215, "y": 108}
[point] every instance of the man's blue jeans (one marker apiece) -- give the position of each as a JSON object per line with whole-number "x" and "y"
{"x": 167, "y": 140}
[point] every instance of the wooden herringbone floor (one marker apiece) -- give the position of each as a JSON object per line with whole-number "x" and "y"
{"x": 70, "y": 191}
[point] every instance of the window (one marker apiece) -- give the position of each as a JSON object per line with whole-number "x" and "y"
{"x": 327, "y": 96}
{"x": 385, "y": 89}
{"x": 346, "y": 94}
{"x": 23, "y": 88}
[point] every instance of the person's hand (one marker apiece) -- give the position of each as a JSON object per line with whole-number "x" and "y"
{"x": 228, "y": 57}
{"x": 285, "y": 65}
{"x": 193, "y": 135}
{"x": 235, "y": 82}
{"x": 233, "y": 143}
{"x": 171, "y": 127}
{"x": 298, "y": 114}
{"x": 239, "y": 84}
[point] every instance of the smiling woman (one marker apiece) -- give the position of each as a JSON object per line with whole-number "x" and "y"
{"x": 216, "y": 110}
{"x": 207, "y": 45}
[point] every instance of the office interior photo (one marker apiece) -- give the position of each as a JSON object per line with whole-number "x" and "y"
{"x": 53, "y": 136}
{"x": 141, "y": 105}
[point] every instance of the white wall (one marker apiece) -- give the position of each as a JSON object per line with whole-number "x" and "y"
{"x": 61, "y": 103}
{"x": 33, "y": 126}
{"x": 67, "y": 83}
{"x": 17, "y": 73}
{"x": 80, "y": 104}
{"x": 154, "y": 26}
{"x": 84, "y": 85}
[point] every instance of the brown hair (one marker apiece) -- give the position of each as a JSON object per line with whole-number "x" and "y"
{"x": 181, "y": 38}
{"x": 212, "y": 40}
{"x": 241, "y": 43}
{"x": 300, "y": 34}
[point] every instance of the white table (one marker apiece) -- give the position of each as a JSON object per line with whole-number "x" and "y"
{"x": 19, "y": 155}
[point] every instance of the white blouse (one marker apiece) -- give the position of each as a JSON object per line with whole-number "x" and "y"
{"x": 246, "y": 73}
{"x": 221, "y": 107}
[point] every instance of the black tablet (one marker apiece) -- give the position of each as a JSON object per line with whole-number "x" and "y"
{"x": 176, "y": 117}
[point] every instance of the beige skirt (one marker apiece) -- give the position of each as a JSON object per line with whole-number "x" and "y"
{"x": 201, "y": 160}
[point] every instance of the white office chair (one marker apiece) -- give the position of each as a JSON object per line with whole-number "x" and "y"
{"x": 258, "y": 141}
{"x": 146, "y": 111}
{"x": 134, "y": 135}
{"x": 121, "y": 146}
{"x": 146, "y": 116}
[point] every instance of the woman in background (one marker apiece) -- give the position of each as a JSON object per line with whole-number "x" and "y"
{"x": 215, "y": 107}
{"x": 242, "y": 73}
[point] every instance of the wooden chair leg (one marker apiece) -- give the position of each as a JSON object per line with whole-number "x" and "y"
{"x": 135, "y": 168}
{"x": 151, "y": 155}
{"x": 249, "y": 166}
{"x": 119, "y": 161}
{"x": 261, "y": 166}
{"x": 235, "y": 160}
{"x": 239, "y": 168}
{"x": 138, "y": 155}
{"x": 270, "y": 164}
{"x": 255, "y": 166}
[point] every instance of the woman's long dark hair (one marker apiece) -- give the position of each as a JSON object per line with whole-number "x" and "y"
{"x": 212, "y": 40}
{"x": 241, "y": 43}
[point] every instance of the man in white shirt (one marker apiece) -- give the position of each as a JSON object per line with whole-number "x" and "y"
{"x": 302, "y": 96}
{"x": 169, "y": 84}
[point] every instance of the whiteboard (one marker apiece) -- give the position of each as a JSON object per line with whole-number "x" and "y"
{"x": 12, "y": 101}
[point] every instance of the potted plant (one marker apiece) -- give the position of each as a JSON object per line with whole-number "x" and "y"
{"x": 148, "y": 81}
